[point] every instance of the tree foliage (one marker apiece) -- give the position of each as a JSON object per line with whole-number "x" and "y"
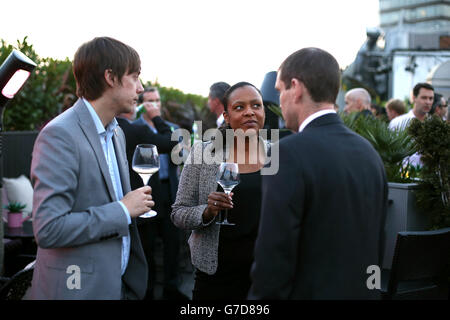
{"x": 45, "y": 94}
{"x": 392, "y": 146}
{"x": 432, "y": 137}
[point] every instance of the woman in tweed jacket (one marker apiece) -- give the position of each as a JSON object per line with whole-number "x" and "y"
{"x": 198, "y": 202}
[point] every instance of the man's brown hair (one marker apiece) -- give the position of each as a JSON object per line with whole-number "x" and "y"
{"x": 100, "y": 54}
{"x": 317, "y": 70}
{"x": 396, "y": 105}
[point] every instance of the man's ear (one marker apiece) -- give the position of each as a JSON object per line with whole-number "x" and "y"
{"x": 110, "y": 77}
{"x": 298, "y": 89}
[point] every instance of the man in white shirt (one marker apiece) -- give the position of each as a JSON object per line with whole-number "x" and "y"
{"x": 216, "y": 92}
{"x": 423, "y": 96}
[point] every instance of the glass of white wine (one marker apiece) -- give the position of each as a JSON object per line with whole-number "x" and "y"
{"x": 145, "y": 164}
{"x": 227, "y": 178}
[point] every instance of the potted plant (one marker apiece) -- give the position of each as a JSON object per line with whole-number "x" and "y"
{"x": 15, "y": 219}
{"x": 394, "y": 146}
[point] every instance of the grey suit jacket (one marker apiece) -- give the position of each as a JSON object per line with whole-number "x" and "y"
{"x": 77, "y": 220}
{"x": 197, "y": 181}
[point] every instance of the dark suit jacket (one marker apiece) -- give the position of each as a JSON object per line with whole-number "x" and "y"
{"x": 322, "y": 217}
{"x": 173, "y": 175}
{"x": 139, "y": 133}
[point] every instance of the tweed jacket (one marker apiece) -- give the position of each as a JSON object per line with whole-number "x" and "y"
{"x": 197, "y": 181}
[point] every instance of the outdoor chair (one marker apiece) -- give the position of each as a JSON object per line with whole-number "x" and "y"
{"x": 420, "y": 267}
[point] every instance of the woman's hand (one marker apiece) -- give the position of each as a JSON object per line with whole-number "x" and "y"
{"x": 217, "y": 201}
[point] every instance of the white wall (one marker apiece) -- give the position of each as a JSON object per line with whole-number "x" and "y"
{"x": 404, "y": 81}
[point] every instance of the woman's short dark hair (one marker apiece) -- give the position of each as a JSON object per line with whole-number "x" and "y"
{"x": 317, "y": 69}
{"x": 230, "y": 90}
{"x": 100, "y": 54}
{"x": 225, "y": 99}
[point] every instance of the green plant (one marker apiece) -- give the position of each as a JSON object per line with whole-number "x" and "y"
{"x": 432, "y": 137}
{"x": 15, "y": 207}
{"x": 276, "y": 110}
{"x": 42, "y": 96}
{"x": 392, "y": 146}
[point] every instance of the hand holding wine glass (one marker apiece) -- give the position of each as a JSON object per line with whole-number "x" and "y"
{"x": 146, "y": 163}
{"x": 227, "y": 178}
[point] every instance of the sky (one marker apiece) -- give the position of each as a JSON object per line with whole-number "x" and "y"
{"x": 190, "y": 44}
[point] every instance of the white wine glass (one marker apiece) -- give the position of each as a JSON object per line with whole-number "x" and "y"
{"x": 227, "y": 178}
{"x": 145, "y": 164}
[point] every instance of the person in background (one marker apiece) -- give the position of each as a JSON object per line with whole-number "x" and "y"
{"x": 423, "y": 96}
{"x": 439, "y": 107}
{"x": 448, "y": 110}
{"x": 164, "y": 184}
{"x": 83, "y": 208}
{"x": 358, "y": 100}
{"x": 323, "y": 213}
{"x": 221, "y": 254}
{"x": 395, "y": 108}
{"x": 378, "y": 112}
{"x": 215, "y": 97}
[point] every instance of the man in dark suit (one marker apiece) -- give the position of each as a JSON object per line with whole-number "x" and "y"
{"x": 138, "y": 133}
{"x": 323, "y": 213}
{"x": 164, "y": 185}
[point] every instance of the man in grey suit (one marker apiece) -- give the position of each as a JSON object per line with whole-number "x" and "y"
{"x": 83, "y": 210}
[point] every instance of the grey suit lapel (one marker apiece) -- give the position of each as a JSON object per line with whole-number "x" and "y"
{"x": 88, "y": 127}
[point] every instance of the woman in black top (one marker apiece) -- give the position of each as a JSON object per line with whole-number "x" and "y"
{"x": 243, "y": 110}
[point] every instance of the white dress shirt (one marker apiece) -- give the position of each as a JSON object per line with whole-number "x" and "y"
{"x": 105, "y": 136}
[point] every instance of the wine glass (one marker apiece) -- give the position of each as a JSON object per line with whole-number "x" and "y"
{"x": 145, "y": 164}
{"x": 227, "y": 178}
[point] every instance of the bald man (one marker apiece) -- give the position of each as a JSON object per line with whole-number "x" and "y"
{"x": 358, "y": 100}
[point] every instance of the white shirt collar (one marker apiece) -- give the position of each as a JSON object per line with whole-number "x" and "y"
{"x": 314, "y": 116}
{"x": 98, "y": 123}
{"x": 220, "y": 120}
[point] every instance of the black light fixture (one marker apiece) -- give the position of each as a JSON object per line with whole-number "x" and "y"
{"x": 14, "y": 72}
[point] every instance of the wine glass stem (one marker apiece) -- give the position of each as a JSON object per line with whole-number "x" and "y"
{"x": 225, "y": 217}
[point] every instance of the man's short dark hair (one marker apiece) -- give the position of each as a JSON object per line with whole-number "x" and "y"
{"x": 148, "y": 89}
{"x": 100, "y": 54}
{"x": 218, "y": 89}
{"x": 317, "y": 70}
{"x": 421, "y": 85}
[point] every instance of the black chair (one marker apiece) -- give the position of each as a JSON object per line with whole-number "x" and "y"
{"x": 16, "y": 287}
{"x": 420, "y": 267}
